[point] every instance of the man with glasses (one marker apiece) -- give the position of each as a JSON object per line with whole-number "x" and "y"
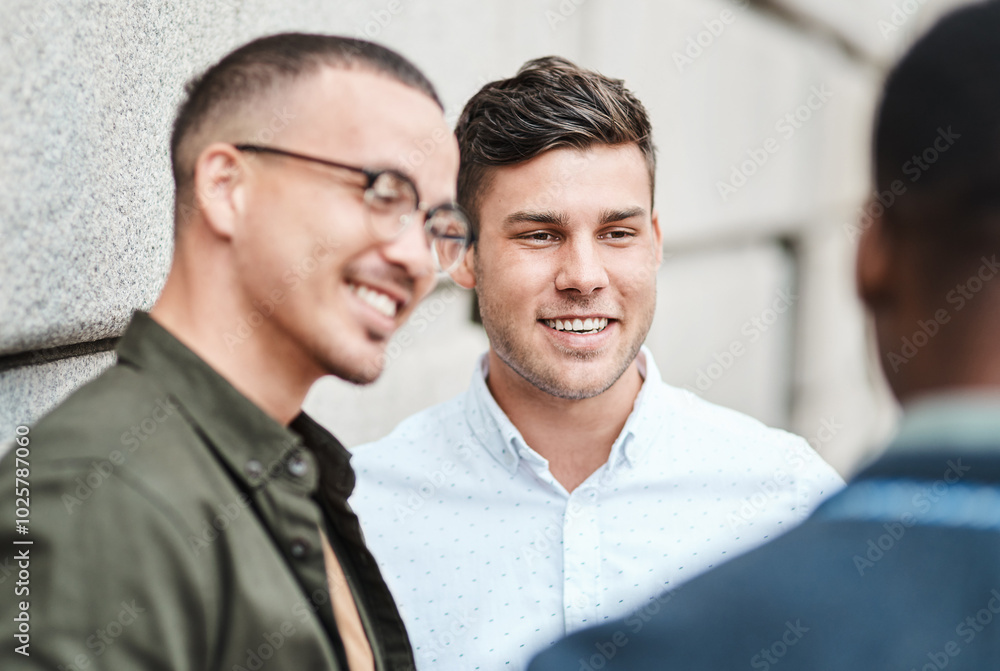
{"x": 569, "y": 484}
{"x": 185, "y": 513}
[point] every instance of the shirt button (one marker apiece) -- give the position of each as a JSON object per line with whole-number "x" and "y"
{"x": 254, "y": 468}
{"x": 298, "y": 466}
{"x": 299, "y": 548}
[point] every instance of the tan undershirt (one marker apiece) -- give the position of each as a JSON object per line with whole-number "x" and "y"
{"x": 345, "y": 612}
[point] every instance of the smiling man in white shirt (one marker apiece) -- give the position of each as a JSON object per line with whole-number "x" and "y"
{"x": 569, "y": 485}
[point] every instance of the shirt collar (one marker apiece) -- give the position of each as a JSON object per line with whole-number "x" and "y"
{"x": 504, "y": 441}
{"x": 969, "y": 420}
{"x": 254, "y": 445}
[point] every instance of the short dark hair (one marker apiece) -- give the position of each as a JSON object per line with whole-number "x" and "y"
{"x": 550, "y": 103}
{"x": 256, "y": 68}
{"x": 937, "y": 139}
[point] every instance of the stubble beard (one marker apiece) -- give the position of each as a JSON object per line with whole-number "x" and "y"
{"x": 518, "y": 355}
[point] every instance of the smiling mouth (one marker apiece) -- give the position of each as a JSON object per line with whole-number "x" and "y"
{"x": 579, "y": 326}
{"x": 382, "y": 303}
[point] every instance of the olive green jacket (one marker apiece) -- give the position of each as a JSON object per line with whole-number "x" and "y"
{"x": 174, "y": 525}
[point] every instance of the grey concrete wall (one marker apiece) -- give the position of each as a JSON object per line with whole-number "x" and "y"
{"x": 88, "y": 92}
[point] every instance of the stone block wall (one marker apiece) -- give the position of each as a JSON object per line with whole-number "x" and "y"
{"x": 762, "y": 133}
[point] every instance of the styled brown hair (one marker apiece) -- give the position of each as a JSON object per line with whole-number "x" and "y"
{"x": 248, "y": 74}
{"x": 550, "y": 103}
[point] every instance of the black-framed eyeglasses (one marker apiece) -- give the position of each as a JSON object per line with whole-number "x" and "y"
{"x": 393, "y": 202}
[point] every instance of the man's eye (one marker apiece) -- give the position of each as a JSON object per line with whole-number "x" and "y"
{"x": 619, "y": 235}
{"x": 390, "y": 192}
{"x": 538, "y": 236}
{"x": 386, "y": 196}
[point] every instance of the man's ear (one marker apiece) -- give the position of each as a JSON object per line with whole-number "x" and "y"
{"x": 873, "y": 270}
{"x": 219, "y": 183}
{"x": 657, "y": 236}
{"x": 465, "y": 273}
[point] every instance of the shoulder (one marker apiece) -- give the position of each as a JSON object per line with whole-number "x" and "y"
{"x": 116, "y": 439}
{"x": 685, "y": 411}
{"x": 95, "y": 418}
{"x": 688, "y": 423}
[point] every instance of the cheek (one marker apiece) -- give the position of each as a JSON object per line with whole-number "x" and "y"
{"x": 641, "y": 268}
{"x": 636, "y": 284}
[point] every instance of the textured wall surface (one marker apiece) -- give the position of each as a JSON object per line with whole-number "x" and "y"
{"x": 88, "y": 91}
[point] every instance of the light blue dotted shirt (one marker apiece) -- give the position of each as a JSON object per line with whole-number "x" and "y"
{"x": 491, "y": 560}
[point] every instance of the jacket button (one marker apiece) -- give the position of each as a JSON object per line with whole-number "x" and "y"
{"x": 299, "y": 548}
{"x": 254, "y": 468}
{"x": 298, "y": 466}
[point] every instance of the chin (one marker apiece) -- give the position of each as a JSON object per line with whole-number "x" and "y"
{"x": 565, "y": 385}
{"x": 360, "y": 371}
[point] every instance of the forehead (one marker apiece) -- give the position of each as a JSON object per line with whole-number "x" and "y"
{"x": 367, "y": 118}
{"x": 568, "y": 179}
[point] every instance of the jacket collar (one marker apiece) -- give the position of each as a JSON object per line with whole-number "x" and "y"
{"x": 255, "y": 447}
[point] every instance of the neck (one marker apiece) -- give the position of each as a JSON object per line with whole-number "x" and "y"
{"x": 204, "y": 313}
{"x": 961, "y": 354}
{"x": 575, "y": 436}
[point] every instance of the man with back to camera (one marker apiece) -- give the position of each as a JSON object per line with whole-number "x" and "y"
{"x": 185, "y": 514}
{"x": 900, "y": 570}
{"x": 569, "y": 484}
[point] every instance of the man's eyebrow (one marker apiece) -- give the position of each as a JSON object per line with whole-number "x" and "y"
{"x": 535, "y": 217}
{"x": 611, "y": 216}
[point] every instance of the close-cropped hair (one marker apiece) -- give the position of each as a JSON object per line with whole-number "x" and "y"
{"x": 550, "y": 103}
{"x": 250, "y": 73}
{"x": 937, "y": 138}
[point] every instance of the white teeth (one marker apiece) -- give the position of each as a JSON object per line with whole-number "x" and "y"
{"x": 585, "y": 326}
{"x": 384, "y": 304}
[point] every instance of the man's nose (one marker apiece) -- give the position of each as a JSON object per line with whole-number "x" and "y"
{"x": 411, "y": 249}
{"x": 581, "y": 268}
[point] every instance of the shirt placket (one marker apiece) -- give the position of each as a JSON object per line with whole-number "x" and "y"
{"x": 581, "y": 558}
